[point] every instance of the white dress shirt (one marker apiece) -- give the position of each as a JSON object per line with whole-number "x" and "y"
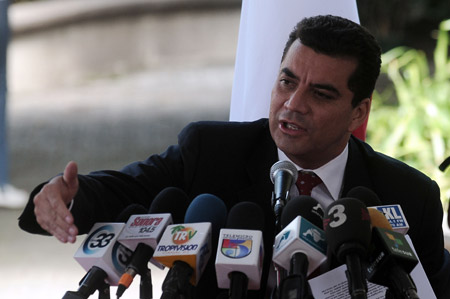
{"x": 331, "y": 174}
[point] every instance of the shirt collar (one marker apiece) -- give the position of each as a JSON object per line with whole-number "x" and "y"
{"x": 331, "y": 174}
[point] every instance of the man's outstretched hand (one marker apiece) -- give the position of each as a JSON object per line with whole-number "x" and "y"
{"x": 51, "y": 205}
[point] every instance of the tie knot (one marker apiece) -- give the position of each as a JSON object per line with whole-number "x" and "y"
{"x": 306, "y": 181}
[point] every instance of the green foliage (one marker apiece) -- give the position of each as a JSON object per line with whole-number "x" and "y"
{"x": 410, "y": 118}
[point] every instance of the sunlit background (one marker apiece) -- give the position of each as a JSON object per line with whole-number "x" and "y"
{"x": 108, "y": 82}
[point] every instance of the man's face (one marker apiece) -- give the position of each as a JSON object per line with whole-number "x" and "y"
{"x": 311, "y": 115}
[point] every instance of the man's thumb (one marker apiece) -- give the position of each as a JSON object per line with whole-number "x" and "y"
{"x": 70, "y": 177}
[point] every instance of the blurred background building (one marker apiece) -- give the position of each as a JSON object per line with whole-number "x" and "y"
{"x": 103, "y": 83}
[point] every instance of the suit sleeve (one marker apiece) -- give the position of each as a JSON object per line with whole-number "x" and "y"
{"x": 434, "y": 256}
{"x": 102, "y": 195}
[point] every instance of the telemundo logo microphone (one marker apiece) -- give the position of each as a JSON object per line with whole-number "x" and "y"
{"x": 240, "y": 254}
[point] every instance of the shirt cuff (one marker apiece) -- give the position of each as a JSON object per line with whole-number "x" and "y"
{"x": 70, "y": 205}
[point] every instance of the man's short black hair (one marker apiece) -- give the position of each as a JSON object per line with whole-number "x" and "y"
{"x": 339, "y": 37}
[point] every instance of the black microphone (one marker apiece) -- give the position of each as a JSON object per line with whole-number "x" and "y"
{"x": 241, "y": 250}
{"x": 282, "y": 174}
{"x": 186, "y": 248}
{"x": 102, "y": 256}
{"x": 296, "y": 285}
{"x": 348, "y": 233}
{"x": 304, "y": 206}
{"x": 171, "y": 200}
{"x": 391, "y": 260}
{"x": 143, "y": 232}
{"x": 364, "y": 194}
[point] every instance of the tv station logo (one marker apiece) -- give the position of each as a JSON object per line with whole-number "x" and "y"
{"x": 395, "y": 241}
{"x": 312, "y": 235}
{"x": 99, "y": 239}
{"x": 283, "y": 240}
{"x": 145, "y": 224}
{"x": 182, "y": 234}
{"x": 121, "y": 257}
{"x": 394, "y": 215}
{"x": 236, "y": 246}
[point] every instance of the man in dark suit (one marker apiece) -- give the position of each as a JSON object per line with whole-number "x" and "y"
{"x": 321, "y": 95}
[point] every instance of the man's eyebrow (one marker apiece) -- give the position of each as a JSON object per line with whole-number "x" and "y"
{"x": 288, "y": 73}
{"x": 327, "y": 87}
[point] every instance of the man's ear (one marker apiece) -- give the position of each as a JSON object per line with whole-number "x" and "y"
{"x": 360, "y": 114}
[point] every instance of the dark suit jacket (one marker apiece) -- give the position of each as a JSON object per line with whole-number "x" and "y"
{"x": 232, "y": 160}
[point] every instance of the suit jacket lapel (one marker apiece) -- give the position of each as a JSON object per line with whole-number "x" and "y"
{"x": 258, "y": 165}
{"x": 356, "y": 171}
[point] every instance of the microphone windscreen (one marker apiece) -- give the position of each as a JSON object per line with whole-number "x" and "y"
{"x": 304, "y": 206}
{"x": 286, "y": 166}
{"x": 171, "y": 200}
{"x": 207, "y": 208}
{"x": 377, "y": 219}
{"x": 347, "y": 227}
{"x": 133, "y": 209}
{"x": 364, "y": 194}
{"x": 246, "y": 215}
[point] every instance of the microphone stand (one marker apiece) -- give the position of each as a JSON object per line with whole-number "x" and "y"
{"x": 356, "y": 277}
{"x": 92, "y": 281}
{"x": 238, "y": 285}
{"x": 278, "y": 205}
{"x": 145, "y": 287}
{"x": 402, "y": 286}
{"x": 296, "y": 284}
{"x": 177, "y": 283}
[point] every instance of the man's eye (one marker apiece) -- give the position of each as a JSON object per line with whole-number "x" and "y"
{"x": 286, "y": 83}
{"x": 322, "y": 95}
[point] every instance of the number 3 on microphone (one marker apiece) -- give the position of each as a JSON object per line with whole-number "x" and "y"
{"x": 339, "y": 217}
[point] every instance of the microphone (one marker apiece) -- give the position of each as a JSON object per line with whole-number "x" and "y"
{"x": 186, "y": 248}
{"x": 377, "y": 219}
{"x": 282, "y": 174}
{"x": 347, "y": 229}
{"x": 393, "y": 213}
{"x": 305, "y": 206}
{"x": 391, "y": 259}
{"x": 241, "y": 250}
{"x": 364, "y": 194}
{"x": 143, "y": 232}
{"x": 102, "y": 256}
{"x": 300, "y": 247}
{"x": 171, "y": 200}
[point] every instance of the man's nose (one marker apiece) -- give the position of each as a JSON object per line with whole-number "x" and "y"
{"x": 298, "y": 102}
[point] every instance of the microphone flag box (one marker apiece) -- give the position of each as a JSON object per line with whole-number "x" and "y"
{"x": 190, "y": 243}
{"x": 394, "y": 214}
{"x": 391, "y": 248}
{"x": 300, "y": 236}
{"x": 145, "y": 228}
{"x": 242, "y": 251}
{"x": 101, "y": 249}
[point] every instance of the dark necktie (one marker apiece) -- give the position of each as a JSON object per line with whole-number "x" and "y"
{"x": 306, "y": 181}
